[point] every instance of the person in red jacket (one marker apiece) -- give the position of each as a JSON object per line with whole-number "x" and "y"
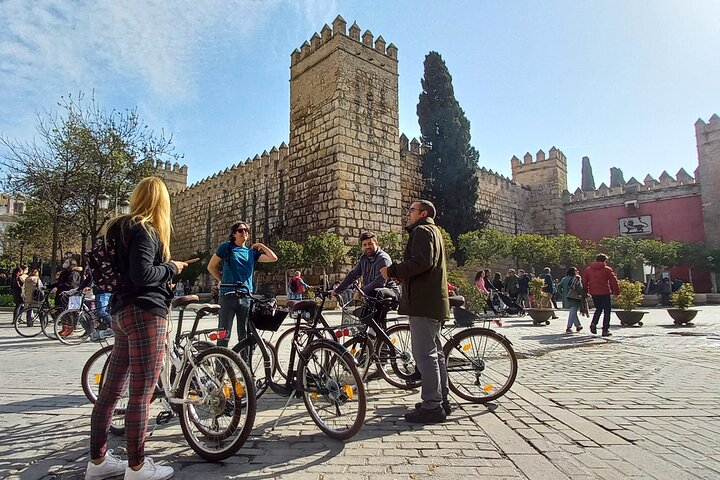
{"x": 600, "y": 281}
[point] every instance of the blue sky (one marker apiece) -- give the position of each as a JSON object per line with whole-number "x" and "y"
{"x": 622, "y": 82}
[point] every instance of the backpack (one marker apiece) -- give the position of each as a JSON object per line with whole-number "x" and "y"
{"x": 295, "y": 285}
{"x": 102, "y": 260}
{"x": 38, "y": 295}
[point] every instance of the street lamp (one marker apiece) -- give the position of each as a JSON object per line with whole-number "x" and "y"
{"x": 104, "y": 202}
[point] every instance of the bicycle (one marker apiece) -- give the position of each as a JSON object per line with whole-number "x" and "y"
{"x": 389, "y": 349}
{"x": 75, "y": 325}
{"x": 209, "y": 387}
{"x": 481, "y": 363}
{"x": 34, "y": 318}
{"x": 319, "y": 370}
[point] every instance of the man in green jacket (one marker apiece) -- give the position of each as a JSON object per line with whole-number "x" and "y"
{"x": 425, "y": 300}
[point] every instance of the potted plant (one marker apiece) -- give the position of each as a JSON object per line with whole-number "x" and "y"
{"x": 631, "y": 296}
{"x": 682, "y": 300}
{"x": 539, "y": 314}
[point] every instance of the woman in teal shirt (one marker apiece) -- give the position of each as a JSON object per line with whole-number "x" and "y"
{"x": 233, "y": 262}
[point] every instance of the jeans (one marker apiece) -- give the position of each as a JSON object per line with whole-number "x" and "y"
{"x": 523, "y": 299}
{"x": 573, "y": 316}
{"x": 427, "y": 350}
{"x": 602, "y": 305}
{"x": 102, "y": 300}
{"x": 232, "y": 306}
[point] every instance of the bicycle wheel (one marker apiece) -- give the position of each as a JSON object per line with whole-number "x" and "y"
{"x": 92, "y": 372}
{"x": 28, "y": 322}
{"x": 397, "y": 368}
{"x": 283, "y": 346}
{"x": 72, "y": 326}
{"x": 219, "y": 412}
{"x": 332, "y": 389}
{"x": 256, "y": 362}
{"x": 481, "y": 365}
{"x": 361, "y": 347}
{"x": 48, "y": 321}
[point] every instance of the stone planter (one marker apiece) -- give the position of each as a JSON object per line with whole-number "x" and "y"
{"x": 629, "y": 318}
{"x": 540, "y": 316}
{"x": 682, "y": 317}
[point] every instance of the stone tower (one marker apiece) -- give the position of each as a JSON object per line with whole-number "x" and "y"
{"x": 708, "y": 146}
{"x": 344, "y": 159}
{"x": 174, "y": 176}
{"x": 547, "y": 179}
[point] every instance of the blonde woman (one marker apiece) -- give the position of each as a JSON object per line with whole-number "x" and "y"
{"x": 32, "y": 283}
{"x": 139, "y": 309}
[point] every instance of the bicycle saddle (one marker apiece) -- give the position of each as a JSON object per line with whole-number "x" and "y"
{"x": 202, "y": 309}
{"x": 457, "y": 301}
{"x": 297, "y": 305}
{"x": 184, "y": 300}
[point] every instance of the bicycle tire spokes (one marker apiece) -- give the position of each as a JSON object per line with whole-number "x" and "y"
{"x": 28, "y": 322}
{"x": 332, "y": 390}
{"x": 218, "y": 403}
{"x": 481, "y": 366}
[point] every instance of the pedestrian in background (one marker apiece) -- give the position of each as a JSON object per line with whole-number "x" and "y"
{"x": 600, "y": 281}
{"x": 575, "y": 295}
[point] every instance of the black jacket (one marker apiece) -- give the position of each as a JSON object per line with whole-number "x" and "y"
{"x": 145, "y": 276}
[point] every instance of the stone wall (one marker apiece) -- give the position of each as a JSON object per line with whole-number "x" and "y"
{"x": 344, "y": 139}
{"x": 708, "y": 146}
{"x": 253, "y": 191}
{"x": 547, "y": 179}
{"x": 175, "y": 176}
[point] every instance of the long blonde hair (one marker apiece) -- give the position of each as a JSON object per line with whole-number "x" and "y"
{"x": 150, "y": 207}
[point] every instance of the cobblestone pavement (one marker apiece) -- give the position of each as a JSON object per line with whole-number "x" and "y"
{"x": 641, "y": 404}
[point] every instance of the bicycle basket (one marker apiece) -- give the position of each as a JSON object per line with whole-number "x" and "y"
{"x": 75, "y": 302}
{"x": 463, "y": 317}
{"x": 267, "y": 316}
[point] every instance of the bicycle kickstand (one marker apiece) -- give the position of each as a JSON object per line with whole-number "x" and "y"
{"x": 290, "y": 397}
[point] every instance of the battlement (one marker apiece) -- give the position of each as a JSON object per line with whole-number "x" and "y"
{"x": 412, "y": 146}
{"x": 161, "y": 166}
{"x": 267, "y": 163}
{"x": 649, "y": 184}
{"x": 339, "y": 29}
{"x": 712, "y": 126}
{"x": 553, "y": 154}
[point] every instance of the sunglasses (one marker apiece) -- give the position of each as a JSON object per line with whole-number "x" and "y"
{"x": 242, "y": 230}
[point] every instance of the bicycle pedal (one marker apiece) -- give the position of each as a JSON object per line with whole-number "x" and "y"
{"x": 164, "y": 417}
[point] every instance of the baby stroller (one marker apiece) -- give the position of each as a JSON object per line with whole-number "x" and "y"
{"x": 511, "y": 307}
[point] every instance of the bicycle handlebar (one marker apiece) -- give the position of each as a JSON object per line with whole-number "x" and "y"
{"x": 242, "y": 290}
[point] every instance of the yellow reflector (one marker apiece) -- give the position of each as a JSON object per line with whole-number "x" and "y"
{"x": 314, "y": 395}
{"x": 98, "y": 378}
{"x": 239, "y": 389}
{"x": 466, "y": 347}
{"x": 487, "y": 388}
{"x": 393, "y": 340}
{"x": 349, "y": 391}
{"x": 353, "y": 351}
{"x": 226, "y": 391}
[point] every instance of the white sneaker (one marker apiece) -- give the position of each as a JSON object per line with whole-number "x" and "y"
{"x": 149, "y": 471}
{"x": 112, "y": 466}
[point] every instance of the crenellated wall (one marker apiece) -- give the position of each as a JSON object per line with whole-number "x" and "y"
{"x": 253, "y": 191}
{"x": 174, "y": 176}
{"x": 546, "y": 178}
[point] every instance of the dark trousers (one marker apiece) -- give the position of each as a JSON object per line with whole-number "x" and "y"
{"x": 602, "y": 306}
{"x": 232, "y": 306}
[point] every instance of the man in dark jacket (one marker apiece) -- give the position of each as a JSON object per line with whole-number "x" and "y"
{"x": 600, "y": 281}
{"x": 425, "y": 300}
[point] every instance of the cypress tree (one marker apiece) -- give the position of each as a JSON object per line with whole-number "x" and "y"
{"x": 449, "y": 164}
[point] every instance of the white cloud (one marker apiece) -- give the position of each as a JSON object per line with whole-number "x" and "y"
{"x": 60, "y": 45}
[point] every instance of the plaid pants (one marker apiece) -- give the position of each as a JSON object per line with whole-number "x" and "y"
{"x": 137, "y": 353}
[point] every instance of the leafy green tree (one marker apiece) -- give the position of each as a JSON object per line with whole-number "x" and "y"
{"x": 482, "y": 247}
{"x": 194, "y": 270}
{"x": 323, "y": 250}
{"x": 448, "y": 241}
{"x": 657, "y": 254}
{"x": 534, "y": 250}
{"x": 571, "y": 251}
{"x": 623, "y": 251}
{"x": 78, "y": 154}
{"x": 449, "y": 164}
